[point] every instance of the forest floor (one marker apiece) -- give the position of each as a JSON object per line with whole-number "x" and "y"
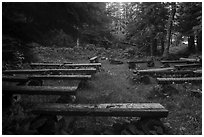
{"x": 115, "y": 84}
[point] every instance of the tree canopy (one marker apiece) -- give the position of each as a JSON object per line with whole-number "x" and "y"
{"x": 144, "y": 24}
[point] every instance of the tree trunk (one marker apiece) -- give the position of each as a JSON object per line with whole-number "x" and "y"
{"x": 169, "y": 27}
{"x": 191, "y": 44}
{"x": 154, "y": 47}
{"x": 199, "y": 42}
{"x": 162, "y": 46}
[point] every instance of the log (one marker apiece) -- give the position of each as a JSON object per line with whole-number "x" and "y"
{"x": 188, "y": 66}
{"x": 151, "y": 71}
{"x": 117, "y": 109}
{"x": 179, "y": 80}
{"x": 180, "y": 61}
{"x": 198, "y": 71}
{"x": 188, "y": 59}
{"x": 170, "y": 72}
{"x": 36, "y": 71}
{"x": 45, "y": 77}
{"x": 65, "y": 65}
{"x": 61, "y": 77}
{"x": 173, "y": 61}
{"x": 84, "y": 65}
{"x": 46, "y": 64}
{"x": 39, "y": 90}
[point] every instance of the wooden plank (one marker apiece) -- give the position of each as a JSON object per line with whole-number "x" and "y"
{"x": 172, "y": 72}
{"x": 187, "y": 66}
{"x": 116, "y": 109}
{"x": 188, "y": 59}
{"x": 198, "y": 71}
{"x": 65, "y": 65}
{"x": 173, "y": 61}
{"x": 45, "y": 77}
{"x": 139, "y": 61}
{"x": 84, "y": 65}
{"x": 39, "y": 90}
{"x": 34, "y": 71}
{"x": 57, "y": 63}
{"x": 61, "y": 77}
{"x": 150, "y": 71}
{"x": 178, "y": 80}
{"x": 46, "y": 64}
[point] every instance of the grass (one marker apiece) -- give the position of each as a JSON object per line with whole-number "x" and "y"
{"x": 113, "y": 84}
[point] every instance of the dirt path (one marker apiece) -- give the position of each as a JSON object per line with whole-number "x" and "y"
{"x": 113, "y": 84}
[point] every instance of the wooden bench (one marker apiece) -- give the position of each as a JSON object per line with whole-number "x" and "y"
{"x": 173, "y": 61}
{"x": 94, "y": 59}
{"x": 39, "y": 90}
{"x": 147, "y": 110}
{"x": 37, "y": 80}
{"x": 50, "y": 71}
{"x": 45, "y": 77}
{"x": 198, "y": 71}
{"x": 189, "y": 60}
{"x": 170, "y": 72}
{"x": 152, "y": 71}
{"x": 179, "y": 80}
{"x": 188, "y": 66}
{"x": 86, "y": 65}
{"x": 178, "y": 61}
{"x": 34, "y": 65}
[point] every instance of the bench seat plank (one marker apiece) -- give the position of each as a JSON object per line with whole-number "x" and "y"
{"x": 187, "y": 66}
{"x": 65, "y": 65}
{"x": 84, "y": 65}
{"x": 150, "y": 71}
{"x": 139, "y": 61}
{"x": 189, "y": 59}
{"x": 39, "y": 90}
{"x": 34, "y": 71}
{"x": 45, "y": 77}
{"x": 170, "y": 72}
{"x": 66, "y": 77}
{"x": 198, "y": 71}
{"x": 62, "y": 77}
{"x": 178, "y": 80}
{"x": 118, "y": 109}
{"x": 173, "y": 61}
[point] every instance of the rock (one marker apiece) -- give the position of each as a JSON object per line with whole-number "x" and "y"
{"x": 167, "y": 126}
{"x": 103, "y": 58}
{"x": 159, "y": 130}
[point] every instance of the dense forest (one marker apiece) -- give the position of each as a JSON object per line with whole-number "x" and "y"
{"x": 150, "y": 27}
